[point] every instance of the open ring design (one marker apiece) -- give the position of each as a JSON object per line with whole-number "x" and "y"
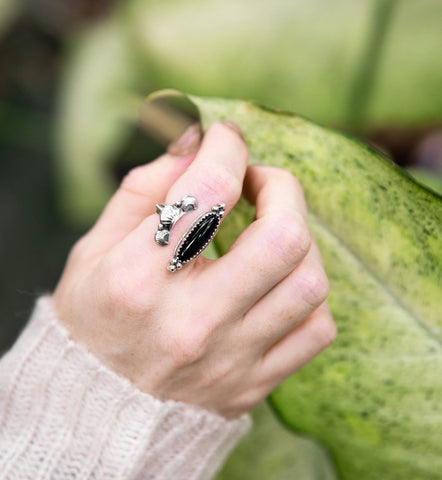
{"x": 197, "y": 237}
{"x": 169, "y": 215}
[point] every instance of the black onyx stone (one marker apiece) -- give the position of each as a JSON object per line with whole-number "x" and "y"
{"x": 199, "y": 237}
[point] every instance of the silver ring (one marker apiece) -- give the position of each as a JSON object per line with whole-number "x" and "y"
{"x": 169, "y": 215}
{"x": 197, "y": 237}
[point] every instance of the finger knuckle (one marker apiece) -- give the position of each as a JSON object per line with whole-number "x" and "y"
{"x": 80, "y": 249}
{"x": 131, "y": 177}
{"x": 290, "y": 238}
{"x": 186, "y": 347}
{"x": 314, "y": 286}
{"x": 135, "y": 178}
{"x": 325, "y": 331}
{"x": 219, "y": 182}
{"x": 221, "y": 372}
{"x": 248, "y": 400}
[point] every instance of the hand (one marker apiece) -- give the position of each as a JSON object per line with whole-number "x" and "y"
{"x": 220, "y": 334}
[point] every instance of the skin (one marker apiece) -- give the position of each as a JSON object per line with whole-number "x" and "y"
{"x": 219, "y": 334}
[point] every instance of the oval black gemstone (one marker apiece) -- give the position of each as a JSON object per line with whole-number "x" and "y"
{"x": 199, "y": 237}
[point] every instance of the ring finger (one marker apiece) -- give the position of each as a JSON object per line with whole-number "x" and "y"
{"x": 288, "y": 304}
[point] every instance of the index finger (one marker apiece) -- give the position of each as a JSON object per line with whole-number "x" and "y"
{"x": 215, "y": 176}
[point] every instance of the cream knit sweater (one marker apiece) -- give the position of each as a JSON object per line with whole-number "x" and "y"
{"x": 63, "y": 415}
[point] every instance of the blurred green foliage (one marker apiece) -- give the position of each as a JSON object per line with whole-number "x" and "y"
{"x": 9, "y": 10}
{"x": 356, "y": 65}
{"x": 304, "y": 56}
{"x": 272, "y": 452}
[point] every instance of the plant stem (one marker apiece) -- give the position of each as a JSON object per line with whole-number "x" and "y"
{"x": 362, "y": 90}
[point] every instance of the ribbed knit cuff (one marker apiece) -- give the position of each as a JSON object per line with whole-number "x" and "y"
{"x": 65, "y": 415}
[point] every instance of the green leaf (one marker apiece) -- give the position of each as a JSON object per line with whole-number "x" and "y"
{"x": 373, "y": 398}
{"x": 427, "y": 177}
{"x": 310, "y": 56}
{"x": 9, "y": 10}
{"x": 267, "y": 453}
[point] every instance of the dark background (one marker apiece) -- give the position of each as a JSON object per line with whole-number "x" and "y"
{"x": 34, "y": 240}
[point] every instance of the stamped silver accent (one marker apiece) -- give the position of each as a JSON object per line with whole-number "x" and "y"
{"x": 169, "y": 215}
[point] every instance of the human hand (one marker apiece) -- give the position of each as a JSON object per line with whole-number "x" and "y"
{"x": 220, "y": 334}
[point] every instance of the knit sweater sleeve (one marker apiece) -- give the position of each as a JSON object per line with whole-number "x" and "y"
{"x": 64, "y": 415}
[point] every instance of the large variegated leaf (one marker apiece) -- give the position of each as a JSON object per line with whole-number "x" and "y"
{"x": 373, "y": 398}
{"x": 268, "y": 453}
{"x": 323, "y": 58}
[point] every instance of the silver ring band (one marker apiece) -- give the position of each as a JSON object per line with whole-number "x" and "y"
{"x": 169, "y": 215}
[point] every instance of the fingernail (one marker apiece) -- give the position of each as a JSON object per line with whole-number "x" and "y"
{"x": 187, "y": 143}
{"x": 234, "y": 127}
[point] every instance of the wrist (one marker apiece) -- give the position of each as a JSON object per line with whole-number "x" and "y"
{"x": 60, "y": 397}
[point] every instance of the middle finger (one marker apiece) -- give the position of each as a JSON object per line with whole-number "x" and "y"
{"x": 271, "y": 247}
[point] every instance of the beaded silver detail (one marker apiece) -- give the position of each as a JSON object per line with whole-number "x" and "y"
{"x": 170, "y": 214}
{"x": 197, "y": 237}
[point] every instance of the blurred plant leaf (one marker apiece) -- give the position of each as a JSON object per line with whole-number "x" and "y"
{"x": 96, "y": 111}
{"x": 271, "y": 452}
{"x": 304, "y": 56}
{"x": 310, "y": 56}
{"x": 373, "y": 398}
{"x": 407, "y": 90}
{"x": 9, "y": 9}
{"x": 427, "y": 178}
